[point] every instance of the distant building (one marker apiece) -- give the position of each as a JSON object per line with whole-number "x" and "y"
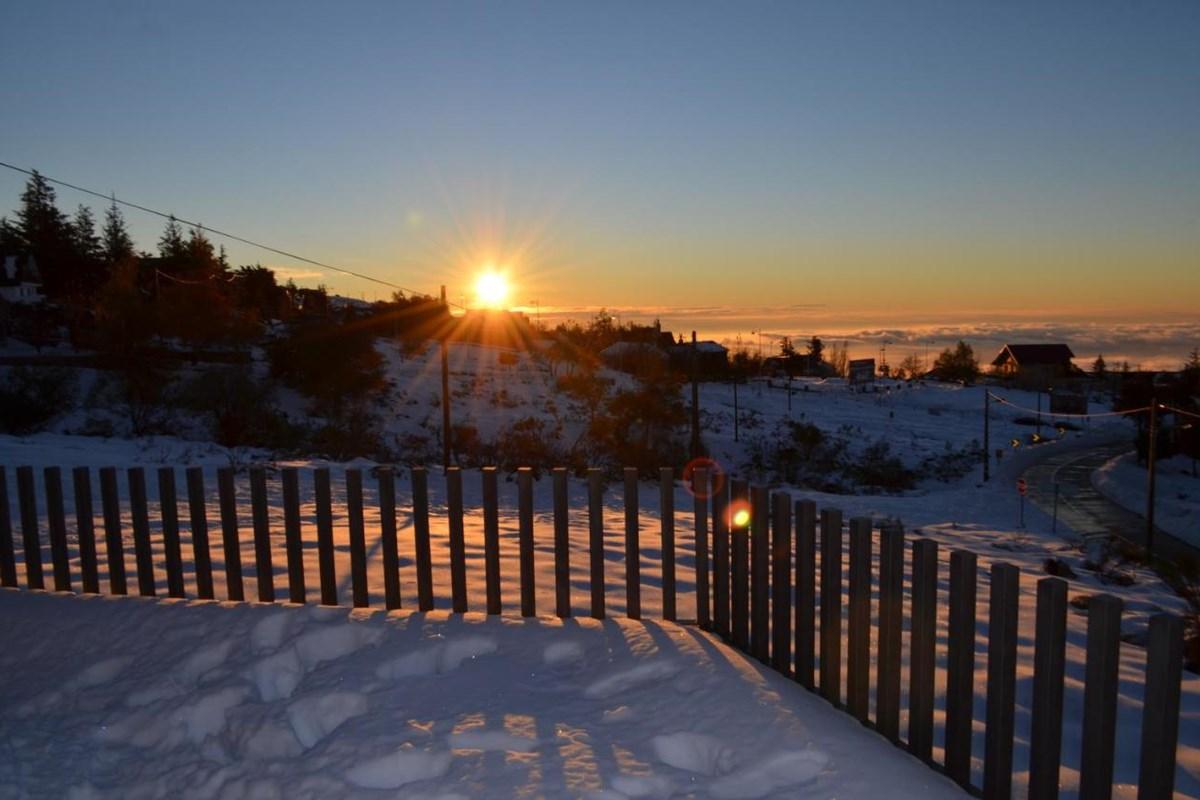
{"x": 633, "y": 357}
{"x": 1035, "y": 364}
{"x": 798, "y": 364}
{"x": 20, "y": 281}
{"x": 711, "y": 358}
{"x": 862, "y": 370}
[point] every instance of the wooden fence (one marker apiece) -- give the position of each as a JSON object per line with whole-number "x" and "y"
{"x": 756, "y": 585}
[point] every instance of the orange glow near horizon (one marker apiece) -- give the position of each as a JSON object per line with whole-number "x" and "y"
{"x": 491, "y": 289}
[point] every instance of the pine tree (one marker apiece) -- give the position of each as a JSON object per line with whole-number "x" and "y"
{"x": 10, "y": 238}
{"x": 116, "y": 242}
{"x": 786, "y": 349}
{"x": 171, "y": 243}
{"x": 816, "y": 349}
{"x": 83, "y": 232}
{"x": 1099, "y": 368}
{"x": 46, "y": 235}
{"x": 199, "y": 249}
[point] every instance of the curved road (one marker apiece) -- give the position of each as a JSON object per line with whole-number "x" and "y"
{"x": 1086, "y": 511}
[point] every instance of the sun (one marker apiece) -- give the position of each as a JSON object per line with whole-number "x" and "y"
{"x": 491, "y": 289}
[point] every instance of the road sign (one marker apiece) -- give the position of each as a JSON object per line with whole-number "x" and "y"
{"x": 1021, "y": 486}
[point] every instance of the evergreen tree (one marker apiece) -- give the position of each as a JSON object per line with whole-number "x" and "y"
{"x": 816, "y": 349}
{"x": 786, "y": 349}
{"x": 10, "y": 238}
{"x": 116, "y": 242}
{"x": 46, "y": 235}
{"x": 171, "y": 243}
{"x": 83, "y": 233}
{"x": 1099, "y": 368}
{"x": 958, "y": 364}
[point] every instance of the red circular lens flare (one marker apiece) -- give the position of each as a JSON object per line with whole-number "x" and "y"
{"x": 716, "y": 478}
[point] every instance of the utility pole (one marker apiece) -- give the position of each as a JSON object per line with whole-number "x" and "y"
{"x": 987, "y": 402}
{"x": 446, "y": 449}
{"x": 1150, "y": 476}
{"x": 735, "y": 408}
{"x": 695, "y": 398}
{"x": 1039, "y": 415}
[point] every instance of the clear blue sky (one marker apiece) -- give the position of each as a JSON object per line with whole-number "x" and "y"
{"x": 1015, "y": 157}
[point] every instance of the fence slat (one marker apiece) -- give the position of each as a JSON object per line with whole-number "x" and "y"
{"x": 891, "y": 620}
{"x": 1160, "y": 709}
{"x": 739, "y": 535}
{"x": 1001, "y": 682}
{"x": 858, "y": 651}
{"x": 721, "y": 555}
{"x": 457, "y": 540}
{"x": 806, "y": 591}
{"x": 420, "y": 495}
{"x": 633, "y": 571}
{"x": 141, "y": 531}
{"x": 322, "y": 489}
{"x": 700, "y": 529}
{"x": 114, "y": 541}
{"x": 562, "y": 545}
{"x": 1100, "y": 697}
{"x": 760, "y": 554}
{"x": 264, "y": 569}
{"x": 1049, "y": 661}
{"x": 30, "y": 537}
{"x": 8, "y": 558}
{"x": 666, "y": 490}
{"x": 293, "y": 538}
{"x": 491, "y": 539}
{"x": 57, "y": 525}
{"x": 385, "y": 479}
{"x": 922, "y": 644}
{"x": 230, "y": 540}
{"x": 960, "y": 666}
{"x": 781, "y": 582}
{"x": 831, "y": 605}
{"x": 359, "y": 591}
{"x": 85, "y": 526}
{"x": 168, "y": 510}
{"x": 525, "y": 537}
{"x": 198, "y": 517}
{"x": 596, "y": 539}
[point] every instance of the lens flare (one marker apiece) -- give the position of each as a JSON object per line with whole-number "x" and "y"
{"x": 740, "y": 517}
{"x": 716, "y": 478}
{"x": 491, "y": 289}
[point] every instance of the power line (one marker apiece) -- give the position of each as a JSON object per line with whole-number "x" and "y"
{"x": 1011, "y": 404}
{"x": 225, "y": 234}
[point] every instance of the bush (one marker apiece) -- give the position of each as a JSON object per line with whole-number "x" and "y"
{"x": 333, "y": 363}
{"x": 528, "y": 442}
{"x": 30, "y": 397}
{"x": 239, "y": 411}
{"x": 878, "y": 468}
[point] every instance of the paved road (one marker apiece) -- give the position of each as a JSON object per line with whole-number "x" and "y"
{"x": 1086, "y": 511}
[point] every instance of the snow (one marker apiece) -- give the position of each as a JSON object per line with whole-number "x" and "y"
{"x": 1176, "y": 492}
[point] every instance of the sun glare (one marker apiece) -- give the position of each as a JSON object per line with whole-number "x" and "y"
{"x": 491, "y": 289}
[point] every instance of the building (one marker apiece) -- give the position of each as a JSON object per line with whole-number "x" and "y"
{"x": 711, "y": 358}
{"x": 633, "y": 357}
{"x": 20, "y": 281}
{"x": 1039, "y": 365}
{"x": 861, "y": 370}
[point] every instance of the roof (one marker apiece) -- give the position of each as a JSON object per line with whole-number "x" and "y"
{"x": 619, "y": 349}
{"x": 1028, "y": 355}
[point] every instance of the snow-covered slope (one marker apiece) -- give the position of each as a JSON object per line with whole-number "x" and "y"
{"x": 1176, "y": 492}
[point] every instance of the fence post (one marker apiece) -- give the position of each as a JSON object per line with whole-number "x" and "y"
{"x": 760, "y": 597}
{"x": 141, "y": 531}
{"x": 596, "y": 539}
{"x": 525, "y": 538}
{"x": 84, "y": 522}
{"x": 858, "y": 651}
{"x": 739, "y": 534}
{"x": 700, "y": 529}
{"x": 720, "y": 528}
{"x": 922, "y": 644}
{"x": 781, "y": 582}
{"x": 1001, "y": 682}
{"x": 666, "y": 489}
{"x": 114, "y": 542}
{"x": 229, "y": 534}
{"x": 491, "y": 540}
{"x": 806, "y": 591}
{"x": 297, "y": 592}
{"x": 457, "y": 540}
{"x": 57, "y": 524}
{"x": 831, "y": 605}
{"x": 198, "y": 516}
{"x": 891, "y": 621}
{"x": 633, "y": 567}
{"x": 960, "y": 666}
{"x": 1100, "y": 697}
{"x": 8, "y": 557}
{"x": 562, "y": 545}
{"x": 325, "y": 567}
{"x": 359, "y": 591}
{"x": 420, "y": 498}
{"x": 1049, "y": 660}
{"x": 30, "y": 537}
{"x": 168, "y": 510}
{"x": 1160, "y": 708}
{"x": 385, "y": 479}
{"x": 264, "y": 569}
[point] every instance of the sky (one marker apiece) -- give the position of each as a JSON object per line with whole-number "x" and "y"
{"x": 922, "y": 169}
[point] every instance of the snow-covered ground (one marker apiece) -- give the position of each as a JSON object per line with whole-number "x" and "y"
{"x": 1176, "y": 492}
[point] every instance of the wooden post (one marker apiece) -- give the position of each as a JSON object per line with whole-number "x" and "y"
{"x": 230, "y": 539}
{"x": 720, "y": 526}
{"x": 922, "y": 644}
{"x": 596, "y": 539}
{"x": 666, "y": 492}
{"x": 386, "y": 480}
{"x": 1160, "y": 708}
{"x": 760, "y": 596}
{"x": 633, "y": 572}
{"x": 457, "y": 541}
{"x": 447, "y": 444}
{"x": 960, "y": 666}
{"x": 739, "y": 534}
{"x": 781, "y": 582}
{"x": 322, "y": 489}
{"x": 1049, "y": 660}
{"x": 491, "y": 540}
{"x": 114, "y": 544}
{"x": 858, "y": 653}
{"x": 264, "y": 569}
{"x": 420, "y": 495}
{"x": 891, "y": 620}
{"x": 198, "y": 516}
{"x": 1001, "y": 682}
{"x": 31, "y": 539}
{"x": 84, "y": 522}
{"x": 806, "y": 591}
{"x": 141, "y": 531}
{"x": 562, "y": 545}
{"x": 831, "y": 605}
{"x": 1100, "y": 697}
{"x": 168, "y": 510}
{"x": 360, "y": 592}
{"x": 57, "y": 524}
{"x": 700, "y": 529}
{"x": 525, "y": 537}
{"x": 8, "y": 558}
{"x": 297, "y": 591}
